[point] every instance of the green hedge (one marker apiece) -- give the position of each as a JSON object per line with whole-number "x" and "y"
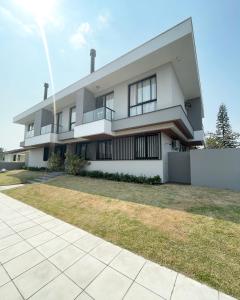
{"x": 121, "y": 177}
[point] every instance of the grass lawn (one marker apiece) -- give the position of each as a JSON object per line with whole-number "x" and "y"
{"x": 192, "y": 230}
{"x": 18, "y": 176}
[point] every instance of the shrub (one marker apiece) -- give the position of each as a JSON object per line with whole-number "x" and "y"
{"x": 34, "y": 168}
{"x": 54, "y": 162}
{"x": 121, "y": 177}
{"x": 74, "y": 163}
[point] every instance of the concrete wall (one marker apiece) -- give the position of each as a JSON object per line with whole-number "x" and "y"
{"x": 11, "y": 165}
{"x": 166, "y": 148}
{"x": 216, "y": 168}
{"x": 179, "y": 167}
{"x": 132, "y": 167}
{"x": 35, "y": 158}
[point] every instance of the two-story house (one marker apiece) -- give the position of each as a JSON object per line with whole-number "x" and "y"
{"x": 126, "y": 116}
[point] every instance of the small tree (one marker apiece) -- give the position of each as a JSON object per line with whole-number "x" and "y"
{"x": 224, "y": 136}
{"x": 1, "y": 153}
{"x": 74, "y": 163}
{"x": 55, "y": 162}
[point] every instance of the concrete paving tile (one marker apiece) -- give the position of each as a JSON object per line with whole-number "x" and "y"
{"x": 66, "y": 257}
{"x": 13, "y": 251}
{"x": 9, "y": 292}
{"x": 41, "y": 238}
{"x": 73, "y": 235}
{"x": 138, "y": 292}
{"x": 24, "y": 225}
{"x": 85, "y": 270}
{"x": 157, "y": 278}
{"x": 223, "y": 296}
{"x": 27, "y": 233}
{"x": 61, "y": 288}
{"x": 105, "y": 252}
{"x": 23, "y": 263}
{"x": 44, "y": 219}
{"x": 110, "y": 284}
{"x": 128, "y": 263}
{"x": 51, "y": 247}
{"x": 18, "y": 220}
{"x": 50, "y": 224}
{"x": 88, "y": 242}
{"x": 9, "y": 240}
{"x": 61, "y": 229}
{"x": 187, "y": 288}
{"x": 31, "y": 281}
{"x": 4, "y": 232}
{"x": 4, "y": 278}
{"x": 84, "y": 296}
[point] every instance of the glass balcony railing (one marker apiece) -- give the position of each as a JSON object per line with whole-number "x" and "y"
{"x": 98, "y": 114}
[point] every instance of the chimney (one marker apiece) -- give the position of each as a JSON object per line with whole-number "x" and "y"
{"x": 93, "y": 55}
{"x": 46, "y": 86}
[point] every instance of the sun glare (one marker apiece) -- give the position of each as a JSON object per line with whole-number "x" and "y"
{"x": 41, "y": 10}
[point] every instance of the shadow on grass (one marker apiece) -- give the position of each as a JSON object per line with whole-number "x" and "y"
{"x": 215, "y": 203}
{"x": 18, "y": 176}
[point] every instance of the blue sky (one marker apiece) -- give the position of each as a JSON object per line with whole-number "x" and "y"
{"x": 113, "y": 28}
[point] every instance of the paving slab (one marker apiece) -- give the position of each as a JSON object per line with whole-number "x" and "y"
{"x": 42, "y": 257}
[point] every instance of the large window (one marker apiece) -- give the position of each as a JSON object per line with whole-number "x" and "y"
{"x": 82, "y": 150}
{"x": 105, "y": 101}
{"x": 59, "y": 122}
{"x": 142, "y": 96}
{"x": 30, "y": 127}
{"x": 147, "y": 147}
{"x": 104, "y": 150}
{"x": 72, "y": 120}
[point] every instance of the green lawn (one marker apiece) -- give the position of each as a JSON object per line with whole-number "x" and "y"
{"x": 18, "y": 176}
{"x": 192, "y": 230}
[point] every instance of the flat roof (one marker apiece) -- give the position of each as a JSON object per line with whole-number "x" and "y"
{"x": 176, "y": 45}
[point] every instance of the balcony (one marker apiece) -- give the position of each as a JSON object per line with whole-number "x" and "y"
{"x": 95, "y": 122}
{"x": 98, "y": 114}
{"x": 48, "y": 134}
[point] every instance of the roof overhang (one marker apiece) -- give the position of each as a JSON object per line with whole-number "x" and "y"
{"x": 175, "y": 46}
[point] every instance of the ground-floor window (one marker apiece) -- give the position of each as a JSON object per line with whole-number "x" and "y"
{"x": 104, "y": 149}
{"x": 82, "y": 150}
{"x": 45, "y": 153}
{"x": 147, "y": 147}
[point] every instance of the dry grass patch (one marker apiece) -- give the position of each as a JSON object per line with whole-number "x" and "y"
{"x": 18, "y": 176}
{"x": 202, "y": 247}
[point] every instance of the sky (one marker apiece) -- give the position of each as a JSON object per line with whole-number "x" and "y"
{"x": 113, "y": 28}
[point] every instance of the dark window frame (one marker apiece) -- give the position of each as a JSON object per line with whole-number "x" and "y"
{"x": 45, "y": 153}
{"x": 30, "y": 127}
{"x": 104, "y": 99}
{"x": 58, "y": 118}
{"x": 106, "y": 156}
{"x": 146, "y": 147}
{"x": 144, "y": 102}
{"x": 70, "y": 118}
{"x": 78, "y": 150}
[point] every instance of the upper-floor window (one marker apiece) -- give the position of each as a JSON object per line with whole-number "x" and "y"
{"x": 105, "y": 100}
{"x": 142, "y": 96}
{"x": 30, "y": 127}
{"x": 59, "y": 122}
{"x": 72, "y": 120}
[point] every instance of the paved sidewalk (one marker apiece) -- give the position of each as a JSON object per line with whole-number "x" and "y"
{"x": 42, "y": 257}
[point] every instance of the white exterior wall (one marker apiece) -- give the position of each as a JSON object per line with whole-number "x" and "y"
{"x": 132, "y": 167}
{"x": 166, "y": 147}
{"x": 35, "y": 158}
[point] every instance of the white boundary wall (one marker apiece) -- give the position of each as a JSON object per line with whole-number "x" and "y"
{"x": 35, "y": 158}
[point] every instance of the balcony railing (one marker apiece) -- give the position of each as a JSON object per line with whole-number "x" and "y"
{"x": 29, "y": 134}
{"x": 98, "y": 114}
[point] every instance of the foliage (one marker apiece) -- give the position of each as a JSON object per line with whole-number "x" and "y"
{"x": 1, "y": 153}
{"x": 33, "y": 168}
{"x": 54, "y": 162}
{"x": 224, "y": 137}
{"x": 74, "y": 163}
{"x": 122, "y": 177}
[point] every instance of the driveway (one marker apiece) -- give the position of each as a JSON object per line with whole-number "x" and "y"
{"x": 42, "y": 257}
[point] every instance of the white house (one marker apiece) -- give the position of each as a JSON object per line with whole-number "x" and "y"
{"x": 127, "y": 115}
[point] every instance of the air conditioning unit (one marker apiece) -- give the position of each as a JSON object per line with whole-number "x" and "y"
{"x": 176, "y": 145}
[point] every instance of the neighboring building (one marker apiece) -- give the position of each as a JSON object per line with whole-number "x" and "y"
{"x": 16, "y": 155}
{"x": 126, "y": 116}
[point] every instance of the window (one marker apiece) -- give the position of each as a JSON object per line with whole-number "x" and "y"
{"x": 142, "y": 96}
{"x": 72, "y": 118}
{"x": 82, "y": 150}
{"x": 30, "y": 127}
{"x": 59, "y": 122}
{"x": 104, "y": 150}
{"x": 147, "y": 147}
{"x": 105, "y": 101}
{"x": 45, "y": 153}
{"x": 14, "y": 157}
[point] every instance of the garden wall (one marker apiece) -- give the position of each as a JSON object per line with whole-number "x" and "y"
{"x": 11, "y": 165}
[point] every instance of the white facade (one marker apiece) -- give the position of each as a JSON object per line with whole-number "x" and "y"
{"x": 170, "y": 59}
